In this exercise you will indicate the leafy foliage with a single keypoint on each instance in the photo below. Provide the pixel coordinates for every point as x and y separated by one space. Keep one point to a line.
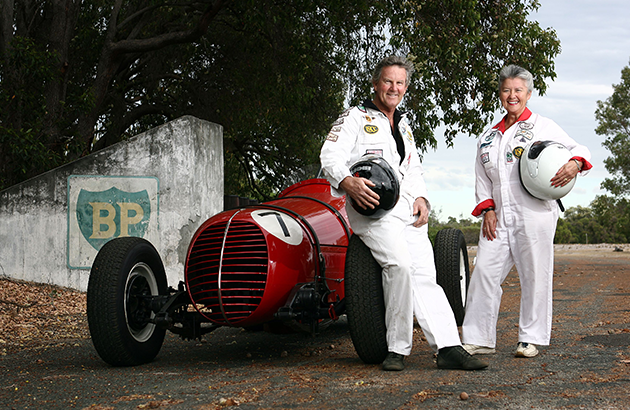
458 47
275 74
469 228
613 116
605 220
24 146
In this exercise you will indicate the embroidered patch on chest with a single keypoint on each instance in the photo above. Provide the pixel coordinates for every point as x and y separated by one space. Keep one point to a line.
524 134
525 125
378 152
370 129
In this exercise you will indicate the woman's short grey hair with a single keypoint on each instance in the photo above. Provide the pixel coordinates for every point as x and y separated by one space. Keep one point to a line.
390 61
514 71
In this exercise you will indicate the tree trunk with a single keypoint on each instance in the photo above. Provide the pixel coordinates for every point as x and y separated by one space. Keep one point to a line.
64 19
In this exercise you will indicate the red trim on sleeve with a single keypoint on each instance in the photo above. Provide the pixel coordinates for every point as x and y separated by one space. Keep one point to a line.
483 205
585 164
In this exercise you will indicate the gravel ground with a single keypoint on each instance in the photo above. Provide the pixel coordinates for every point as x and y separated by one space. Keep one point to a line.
48 360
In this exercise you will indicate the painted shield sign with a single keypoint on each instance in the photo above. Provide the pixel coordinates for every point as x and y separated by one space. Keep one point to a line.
112 213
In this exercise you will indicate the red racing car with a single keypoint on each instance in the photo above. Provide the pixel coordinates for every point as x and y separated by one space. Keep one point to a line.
290 262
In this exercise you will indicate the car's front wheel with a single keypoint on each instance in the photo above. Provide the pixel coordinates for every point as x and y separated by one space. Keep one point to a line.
126 273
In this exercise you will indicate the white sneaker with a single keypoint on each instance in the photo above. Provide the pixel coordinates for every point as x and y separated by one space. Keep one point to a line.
475 349
526 350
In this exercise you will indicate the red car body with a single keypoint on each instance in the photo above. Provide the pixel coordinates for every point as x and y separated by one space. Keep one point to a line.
243 264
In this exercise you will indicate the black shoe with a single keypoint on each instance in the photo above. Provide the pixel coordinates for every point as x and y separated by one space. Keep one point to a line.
393 362
455 357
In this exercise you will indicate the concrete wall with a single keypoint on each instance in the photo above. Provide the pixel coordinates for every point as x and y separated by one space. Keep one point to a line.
160 185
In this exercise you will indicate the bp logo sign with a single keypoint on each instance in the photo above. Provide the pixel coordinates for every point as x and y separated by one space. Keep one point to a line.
112 213
102 208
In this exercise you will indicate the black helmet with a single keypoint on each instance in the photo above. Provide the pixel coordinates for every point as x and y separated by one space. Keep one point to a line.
377 170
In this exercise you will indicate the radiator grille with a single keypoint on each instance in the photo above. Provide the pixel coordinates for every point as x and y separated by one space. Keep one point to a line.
232 288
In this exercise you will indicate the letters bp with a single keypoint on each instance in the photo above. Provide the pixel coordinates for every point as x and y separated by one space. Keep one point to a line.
101 208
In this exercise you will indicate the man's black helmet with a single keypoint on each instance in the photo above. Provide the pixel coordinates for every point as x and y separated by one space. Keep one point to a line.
377 170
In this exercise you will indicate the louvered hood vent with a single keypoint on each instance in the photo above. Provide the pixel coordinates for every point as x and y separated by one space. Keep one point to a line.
226 272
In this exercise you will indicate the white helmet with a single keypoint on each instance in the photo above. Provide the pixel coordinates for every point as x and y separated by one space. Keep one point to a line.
540 162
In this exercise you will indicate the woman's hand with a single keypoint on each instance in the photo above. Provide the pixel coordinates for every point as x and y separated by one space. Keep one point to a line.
566 173
489 225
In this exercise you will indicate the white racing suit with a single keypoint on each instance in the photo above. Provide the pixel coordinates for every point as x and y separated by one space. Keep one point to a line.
403 251
525 230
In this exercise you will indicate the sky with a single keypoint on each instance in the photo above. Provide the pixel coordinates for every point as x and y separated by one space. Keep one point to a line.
595 41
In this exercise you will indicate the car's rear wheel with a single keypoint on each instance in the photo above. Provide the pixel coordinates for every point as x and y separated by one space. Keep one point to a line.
365 306
125 274
453 272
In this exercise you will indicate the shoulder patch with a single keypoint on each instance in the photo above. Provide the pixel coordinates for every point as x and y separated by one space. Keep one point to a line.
332 137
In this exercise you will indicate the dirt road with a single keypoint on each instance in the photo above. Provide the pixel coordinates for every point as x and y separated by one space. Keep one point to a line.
587 365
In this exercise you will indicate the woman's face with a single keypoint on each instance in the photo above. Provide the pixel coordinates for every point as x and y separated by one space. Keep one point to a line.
514 96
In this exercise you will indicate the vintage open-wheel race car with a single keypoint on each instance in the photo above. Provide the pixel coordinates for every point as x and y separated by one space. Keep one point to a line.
291 262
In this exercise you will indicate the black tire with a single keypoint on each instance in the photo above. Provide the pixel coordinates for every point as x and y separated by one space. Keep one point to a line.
453 272
125 270
365 306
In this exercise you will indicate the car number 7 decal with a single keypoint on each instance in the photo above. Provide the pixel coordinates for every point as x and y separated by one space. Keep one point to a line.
280 225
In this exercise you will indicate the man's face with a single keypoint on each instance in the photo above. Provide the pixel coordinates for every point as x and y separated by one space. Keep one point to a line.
391 87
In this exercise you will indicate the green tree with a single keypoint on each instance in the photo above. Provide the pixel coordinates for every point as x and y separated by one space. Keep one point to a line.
563 232
274 73
24 147
613 213
458 47
591 224
469 228
613 116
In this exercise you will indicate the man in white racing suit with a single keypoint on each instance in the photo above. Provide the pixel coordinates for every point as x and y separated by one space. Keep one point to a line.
398 240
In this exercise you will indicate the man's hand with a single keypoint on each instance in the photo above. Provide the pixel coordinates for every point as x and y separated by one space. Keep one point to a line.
359 190
420 209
